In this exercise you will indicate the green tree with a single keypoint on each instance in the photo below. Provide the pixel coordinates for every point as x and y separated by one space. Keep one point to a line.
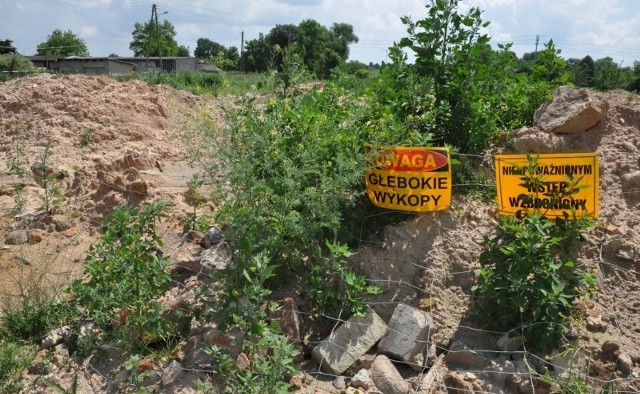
634 86
447 45
234 56
345 36
207 49
16 63
183 51
62 43
281 36
549 66
583 72
607 75
317 47
257 54
151 39
320 49
6 47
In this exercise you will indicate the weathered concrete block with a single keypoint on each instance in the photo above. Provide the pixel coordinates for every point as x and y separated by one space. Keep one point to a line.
407 336
349 342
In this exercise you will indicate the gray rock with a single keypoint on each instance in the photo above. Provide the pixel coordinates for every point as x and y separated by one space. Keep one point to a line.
171 373
624 363
186 258
349 342
431 380
387 378
214 259
361 380
571 111
408 336
339 383
214 236
461 355
56 337
16 237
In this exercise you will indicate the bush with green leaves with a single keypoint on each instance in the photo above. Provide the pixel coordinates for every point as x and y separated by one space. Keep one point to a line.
528 277
125 274
14 359
293 166
271 361
469 103
332 286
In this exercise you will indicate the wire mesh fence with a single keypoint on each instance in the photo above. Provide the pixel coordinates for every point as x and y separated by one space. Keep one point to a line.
418 261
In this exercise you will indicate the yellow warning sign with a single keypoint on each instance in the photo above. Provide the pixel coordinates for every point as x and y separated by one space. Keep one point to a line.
411 179
553 196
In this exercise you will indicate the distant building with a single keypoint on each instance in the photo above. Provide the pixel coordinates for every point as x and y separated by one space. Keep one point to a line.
113 65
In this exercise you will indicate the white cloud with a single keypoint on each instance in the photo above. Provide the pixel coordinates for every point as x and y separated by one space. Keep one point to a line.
88 31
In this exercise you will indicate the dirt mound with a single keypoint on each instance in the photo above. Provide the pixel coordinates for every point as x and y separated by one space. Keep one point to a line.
114 142
110 142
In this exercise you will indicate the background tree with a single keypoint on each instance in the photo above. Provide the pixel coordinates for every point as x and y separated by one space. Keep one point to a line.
6 47
281 36
183 51
345 36
207 49
62 43
634 86
257 54
147 36
15 64
234 55
320 49
583 71
550 66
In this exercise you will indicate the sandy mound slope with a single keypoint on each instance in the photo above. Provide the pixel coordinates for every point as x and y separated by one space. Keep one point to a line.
111 141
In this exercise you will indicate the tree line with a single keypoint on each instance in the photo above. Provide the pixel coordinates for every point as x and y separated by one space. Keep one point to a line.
319 48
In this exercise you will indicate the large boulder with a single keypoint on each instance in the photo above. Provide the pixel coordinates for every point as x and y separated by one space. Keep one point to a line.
571 111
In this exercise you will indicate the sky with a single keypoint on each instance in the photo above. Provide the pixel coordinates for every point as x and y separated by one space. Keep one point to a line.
598 28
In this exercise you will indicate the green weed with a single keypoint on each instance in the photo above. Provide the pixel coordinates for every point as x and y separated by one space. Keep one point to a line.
14 359
17 160
125 274
270 359
528 277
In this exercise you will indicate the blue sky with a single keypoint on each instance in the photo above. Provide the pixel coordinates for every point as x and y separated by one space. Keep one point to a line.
598 28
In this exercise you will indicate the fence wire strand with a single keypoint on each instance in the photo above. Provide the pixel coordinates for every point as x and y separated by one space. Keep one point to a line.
73 258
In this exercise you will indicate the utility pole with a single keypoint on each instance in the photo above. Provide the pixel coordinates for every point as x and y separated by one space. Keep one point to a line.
537 40
242 53
153 12
158 36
